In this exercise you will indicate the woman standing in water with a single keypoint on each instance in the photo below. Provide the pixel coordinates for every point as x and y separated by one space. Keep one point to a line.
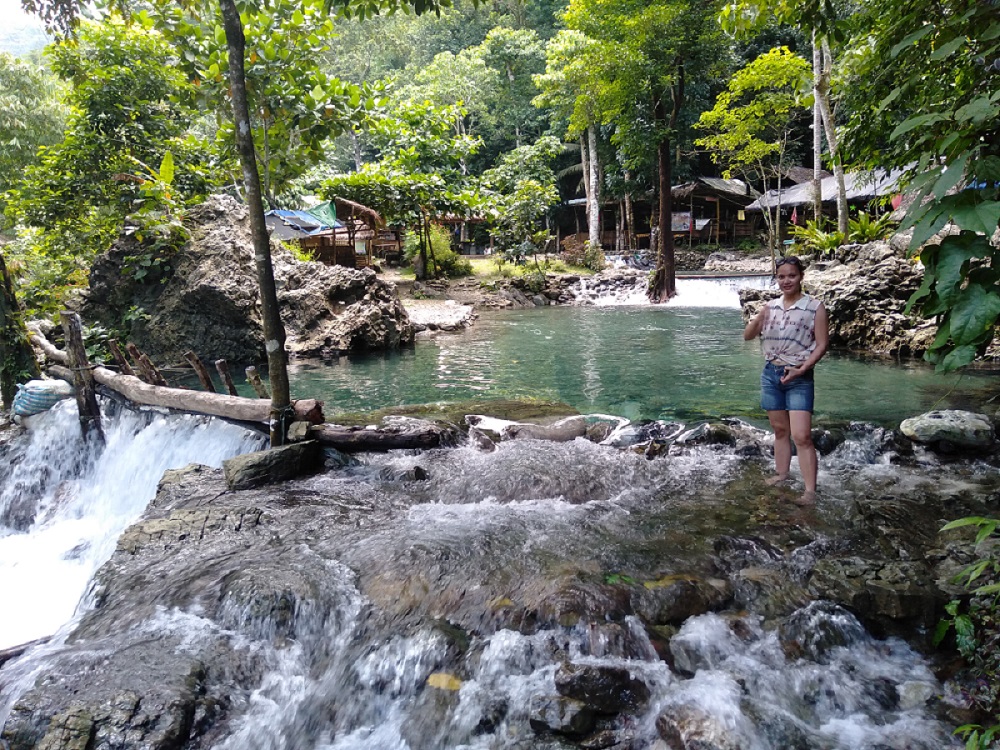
795 332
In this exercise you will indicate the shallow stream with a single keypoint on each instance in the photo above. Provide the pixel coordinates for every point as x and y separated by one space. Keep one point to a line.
432 600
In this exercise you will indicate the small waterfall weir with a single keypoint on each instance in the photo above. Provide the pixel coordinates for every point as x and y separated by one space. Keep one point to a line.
692 291
63 506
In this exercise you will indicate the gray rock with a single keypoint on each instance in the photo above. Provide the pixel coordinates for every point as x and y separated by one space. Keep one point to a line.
273 465
674 598
604 689
962 429
686 727
815 630
560 714
206 298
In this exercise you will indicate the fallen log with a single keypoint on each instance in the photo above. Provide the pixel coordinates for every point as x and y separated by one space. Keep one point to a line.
214 404
358 439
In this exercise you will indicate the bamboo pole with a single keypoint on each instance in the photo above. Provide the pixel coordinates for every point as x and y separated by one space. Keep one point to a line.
199 368
116 351
253 377
223 369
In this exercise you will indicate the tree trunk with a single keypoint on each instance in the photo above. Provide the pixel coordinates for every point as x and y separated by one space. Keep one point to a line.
630 239
356 147
17 360
817 181
358 439
664 284
594 196
831 137
274 331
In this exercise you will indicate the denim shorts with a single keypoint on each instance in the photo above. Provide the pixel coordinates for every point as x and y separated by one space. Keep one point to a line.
777 396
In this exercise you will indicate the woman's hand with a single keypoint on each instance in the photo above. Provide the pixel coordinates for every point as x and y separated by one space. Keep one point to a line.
756 324
793 372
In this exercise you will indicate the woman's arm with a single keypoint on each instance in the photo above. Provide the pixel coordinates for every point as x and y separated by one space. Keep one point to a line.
822 336
756 324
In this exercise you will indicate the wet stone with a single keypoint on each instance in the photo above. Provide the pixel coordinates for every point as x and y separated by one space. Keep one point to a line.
674 598
560 714
604 689
815 630
688 727
273 465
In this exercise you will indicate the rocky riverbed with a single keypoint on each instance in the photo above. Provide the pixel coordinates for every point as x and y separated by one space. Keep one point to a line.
522 592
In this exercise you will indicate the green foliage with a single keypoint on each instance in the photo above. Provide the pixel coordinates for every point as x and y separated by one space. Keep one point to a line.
932 72
295 106
975 624
751 127
584 255
864 228
298 252
157 224
124 115
813 236
522 189
30 116
442 260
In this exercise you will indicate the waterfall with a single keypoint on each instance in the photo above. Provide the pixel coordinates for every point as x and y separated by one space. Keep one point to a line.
630 289
63 505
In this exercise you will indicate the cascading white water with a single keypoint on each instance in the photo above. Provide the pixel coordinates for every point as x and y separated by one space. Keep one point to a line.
338 679
691 292
72 503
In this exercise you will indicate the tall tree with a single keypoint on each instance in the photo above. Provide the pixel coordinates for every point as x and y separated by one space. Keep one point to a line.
752 124
31 116
570 88
653 50
825 21
295 107
63 14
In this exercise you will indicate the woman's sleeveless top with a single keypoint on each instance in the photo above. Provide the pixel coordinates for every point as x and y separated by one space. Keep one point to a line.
789 336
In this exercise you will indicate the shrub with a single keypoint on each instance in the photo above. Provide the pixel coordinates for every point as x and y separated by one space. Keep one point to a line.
813 237
865 229
442 261
976 626
583 254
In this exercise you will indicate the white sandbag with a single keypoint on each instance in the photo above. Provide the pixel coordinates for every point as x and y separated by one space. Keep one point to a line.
37 396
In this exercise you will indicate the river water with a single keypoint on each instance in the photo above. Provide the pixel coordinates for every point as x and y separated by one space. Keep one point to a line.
531 520
683 361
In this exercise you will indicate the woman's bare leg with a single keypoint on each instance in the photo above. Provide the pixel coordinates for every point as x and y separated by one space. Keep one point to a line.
782 445
801 427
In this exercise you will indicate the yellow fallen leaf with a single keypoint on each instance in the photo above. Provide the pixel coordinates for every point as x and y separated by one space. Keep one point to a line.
444 681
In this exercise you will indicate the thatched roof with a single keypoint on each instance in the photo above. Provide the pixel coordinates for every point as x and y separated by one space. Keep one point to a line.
370 216
735 190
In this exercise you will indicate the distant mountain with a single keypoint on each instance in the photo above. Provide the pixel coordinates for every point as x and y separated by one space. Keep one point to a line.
20 33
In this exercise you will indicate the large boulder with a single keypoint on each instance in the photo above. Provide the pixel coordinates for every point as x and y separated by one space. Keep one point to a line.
865 291
951 427
205 296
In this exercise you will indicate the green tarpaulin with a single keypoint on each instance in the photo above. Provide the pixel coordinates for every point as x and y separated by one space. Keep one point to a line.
326 213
